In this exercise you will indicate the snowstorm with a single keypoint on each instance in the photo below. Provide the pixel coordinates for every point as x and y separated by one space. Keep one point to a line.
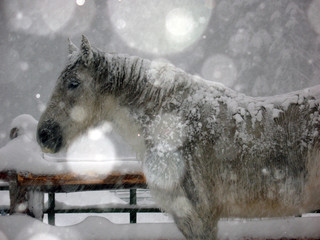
242 76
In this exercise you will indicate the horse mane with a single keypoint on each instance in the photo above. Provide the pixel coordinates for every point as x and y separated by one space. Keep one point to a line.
139 82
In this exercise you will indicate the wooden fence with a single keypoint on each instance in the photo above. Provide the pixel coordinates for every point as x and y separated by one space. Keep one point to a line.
21 184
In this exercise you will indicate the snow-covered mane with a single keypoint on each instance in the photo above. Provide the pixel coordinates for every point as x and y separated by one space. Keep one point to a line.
136 80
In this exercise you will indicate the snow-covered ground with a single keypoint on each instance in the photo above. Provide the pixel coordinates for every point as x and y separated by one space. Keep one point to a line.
27 228
87 226
150 225
91 228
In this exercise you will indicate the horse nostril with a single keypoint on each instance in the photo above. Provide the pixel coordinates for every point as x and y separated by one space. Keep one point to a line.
50 136
44 136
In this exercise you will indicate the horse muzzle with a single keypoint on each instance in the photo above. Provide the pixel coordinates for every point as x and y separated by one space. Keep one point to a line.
49 136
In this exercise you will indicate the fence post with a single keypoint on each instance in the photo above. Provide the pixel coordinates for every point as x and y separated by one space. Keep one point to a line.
51 206
18 195
133 201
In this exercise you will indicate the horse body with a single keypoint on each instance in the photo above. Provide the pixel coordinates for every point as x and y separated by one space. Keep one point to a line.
208 152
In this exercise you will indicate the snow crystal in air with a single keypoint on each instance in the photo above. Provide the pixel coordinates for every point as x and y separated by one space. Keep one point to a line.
41 107
62 105
265 171
99 132
92 146
180 22
78 114
95 134
239 42
80 2
121 24
220 68
24 66
20 21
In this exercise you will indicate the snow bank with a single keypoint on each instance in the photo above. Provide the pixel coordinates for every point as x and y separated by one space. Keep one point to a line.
23 154
91 228
276 228
100 228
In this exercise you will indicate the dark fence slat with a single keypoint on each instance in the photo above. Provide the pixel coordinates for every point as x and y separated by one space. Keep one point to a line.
133 201
51 210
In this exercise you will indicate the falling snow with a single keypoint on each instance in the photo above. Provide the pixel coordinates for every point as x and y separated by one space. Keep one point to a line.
253 47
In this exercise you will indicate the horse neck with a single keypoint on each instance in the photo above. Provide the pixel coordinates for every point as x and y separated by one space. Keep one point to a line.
125 122
136 90
122 81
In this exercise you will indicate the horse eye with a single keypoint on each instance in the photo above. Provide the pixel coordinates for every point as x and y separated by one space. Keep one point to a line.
73 84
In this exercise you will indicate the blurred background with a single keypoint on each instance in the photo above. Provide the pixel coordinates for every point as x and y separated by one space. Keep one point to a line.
256 47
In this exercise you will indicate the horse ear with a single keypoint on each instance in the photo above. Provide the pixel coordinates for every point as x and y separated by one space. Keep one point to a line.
86 51
71 47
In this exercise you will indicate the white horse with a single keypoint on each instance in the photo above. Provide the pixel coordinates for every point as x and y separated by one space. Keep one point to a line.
207 151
